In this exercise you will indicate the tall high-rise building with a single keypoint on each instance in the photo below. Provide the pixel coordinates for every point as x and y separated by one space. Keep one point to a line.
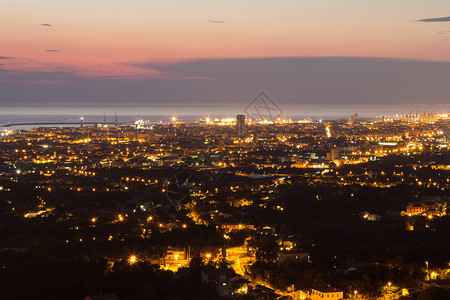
354 119
240 124
333 154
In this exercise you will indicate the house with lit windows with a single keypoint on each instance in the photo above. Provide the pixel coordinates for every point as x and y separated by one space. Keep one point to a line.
328 293
430 206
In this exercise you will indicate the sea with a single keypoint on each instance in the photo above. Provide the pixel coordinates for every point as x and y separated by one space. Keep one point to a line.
164 114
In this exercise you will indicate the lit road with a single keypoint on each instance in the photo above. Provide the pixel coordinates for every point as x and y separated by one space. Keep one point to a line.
240 258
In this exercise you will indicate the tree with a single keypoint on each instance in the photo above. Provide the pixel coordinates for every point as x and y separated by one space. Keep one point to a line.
267 251
433 293
223 264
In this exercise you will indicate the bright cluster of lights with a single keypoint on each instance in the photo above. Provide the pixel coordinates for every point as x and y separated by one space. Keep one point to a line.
264 122
132 259
6 132
227 121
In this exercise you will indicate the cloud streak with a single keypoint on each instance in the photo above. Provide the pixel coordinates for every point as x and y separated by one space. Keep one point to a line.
6 57
46 24
433 20
216 21
291 80
52 50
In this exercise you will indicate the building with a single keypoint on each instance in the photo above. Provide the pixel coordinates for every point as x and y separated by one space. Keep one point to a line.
240 124
416 209
429 206
354 119
231 227
326 293
175 258
333 154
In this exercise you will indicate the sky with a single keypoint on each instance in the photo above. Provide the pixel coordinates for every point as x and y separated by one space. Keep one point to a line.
140 52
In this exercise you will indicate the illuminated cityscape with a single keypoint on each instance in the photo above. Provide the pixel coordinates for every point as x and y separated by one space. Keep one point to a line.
283 208
221 150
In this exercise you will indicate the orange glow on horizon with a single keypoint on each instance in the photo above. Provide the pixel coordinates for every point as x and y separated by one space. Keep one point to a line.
101 38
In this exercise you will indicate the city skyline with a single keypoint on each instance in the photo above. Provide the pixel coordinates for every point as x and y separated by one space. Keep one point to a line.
333 209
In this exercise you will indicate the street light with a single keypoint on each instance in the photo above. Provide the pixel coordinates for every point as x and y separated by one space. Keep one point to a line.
389 290
132 259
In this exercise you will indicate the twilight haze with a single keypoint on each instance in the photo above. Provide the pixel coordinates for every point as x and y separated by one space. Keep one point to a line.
113 53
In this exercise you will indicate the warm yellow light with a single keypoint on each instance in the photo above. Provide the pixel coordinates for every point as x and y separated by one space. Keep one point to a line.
132 259
433 275
93 220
